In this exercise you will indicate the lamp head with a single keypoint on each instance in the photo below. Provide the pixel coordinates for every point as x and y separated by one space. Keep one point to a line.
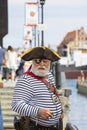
42 2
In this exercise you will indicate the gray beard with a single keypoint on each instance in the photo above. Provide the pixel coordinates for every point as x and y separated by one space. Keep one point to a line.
41 73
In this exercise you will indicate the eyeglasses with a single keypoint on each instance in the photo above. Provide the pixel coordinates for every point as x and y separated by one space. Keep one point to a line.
38 61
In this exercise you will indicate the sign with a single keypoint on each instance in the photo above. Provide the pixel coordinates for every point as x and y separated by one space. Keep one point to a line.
28 32
31 14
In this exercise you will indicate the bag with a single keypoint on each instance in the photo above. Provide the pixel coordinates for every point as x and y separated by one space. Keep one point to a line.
70 126
16 123
23 123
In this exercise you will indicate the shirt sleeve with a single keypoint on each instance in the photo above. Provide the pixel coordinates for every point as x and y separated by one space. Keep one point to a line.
23 93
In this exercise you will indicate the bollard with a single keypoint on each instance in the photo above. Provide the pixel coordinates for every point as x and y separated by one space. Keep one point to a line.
57 74
67 92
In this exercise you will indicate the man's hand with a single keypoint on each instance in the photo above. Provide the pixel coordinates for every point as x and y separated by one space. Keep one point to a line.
45 113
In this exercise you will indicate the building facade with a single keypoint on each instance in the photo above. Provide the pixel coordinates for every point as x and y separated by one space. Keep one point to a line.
74 40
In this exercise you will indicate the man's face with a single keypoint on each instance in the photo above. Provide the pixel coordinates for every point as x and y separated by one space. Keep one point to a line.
41 67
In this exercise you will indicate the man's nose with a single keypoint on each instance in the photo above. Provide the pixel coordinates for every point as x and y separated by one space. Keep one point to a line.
42 62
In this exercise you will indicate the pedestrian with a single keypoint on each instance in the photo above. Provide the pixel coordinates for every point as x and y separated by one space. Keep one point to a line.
20 68
11 58
35 94
2 61
1 119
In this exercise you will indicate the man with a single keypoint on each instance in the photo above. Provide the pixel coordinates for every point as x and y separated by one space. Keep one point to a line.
2 60
35 95
1 119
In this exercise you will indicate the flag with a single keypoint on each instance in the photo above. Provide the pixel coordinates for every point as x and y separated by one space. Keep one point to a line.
27 32
31 14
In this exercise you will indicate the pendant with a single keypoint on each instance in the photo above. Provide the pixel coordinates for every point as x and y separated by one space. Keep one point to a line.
55 99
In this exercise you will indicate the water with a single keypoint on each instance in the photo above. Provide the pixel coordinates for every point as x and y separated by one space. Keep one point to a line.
78 113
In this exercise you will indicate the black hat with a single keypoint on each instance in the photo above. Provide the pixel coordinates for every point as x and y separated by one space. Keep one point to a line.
40 52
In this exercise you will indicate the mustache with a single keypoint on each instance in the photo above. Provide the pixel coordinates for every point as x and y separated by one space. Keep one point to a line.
41 67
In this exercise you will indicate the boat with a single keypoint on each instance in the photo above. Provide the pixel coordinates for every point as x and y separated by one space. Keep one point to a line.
73 68
73 72
82 87
82 84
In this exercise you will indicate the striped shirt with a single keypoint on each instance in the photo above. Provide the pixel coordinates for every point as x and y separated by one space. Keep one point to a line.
31 94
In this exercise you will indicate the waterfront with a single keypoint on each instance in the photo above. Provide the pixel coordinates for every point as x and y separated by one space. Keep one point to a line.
78 104
78 113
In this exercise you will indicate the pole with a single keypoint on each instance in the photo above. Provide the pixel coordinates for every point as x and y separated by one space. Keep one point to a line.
3 20
42 32
57 73
38 22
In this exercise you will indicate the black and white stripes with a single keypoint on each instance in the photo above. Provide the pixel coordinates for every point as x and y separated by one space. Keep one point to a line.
30 94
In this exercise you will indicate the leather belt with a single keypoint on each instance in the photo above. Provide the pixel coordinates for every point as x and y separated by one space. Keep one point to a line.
40 127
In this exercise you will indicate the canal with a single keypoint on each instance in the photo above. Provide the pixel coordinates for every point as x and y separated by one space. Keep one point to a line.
78 102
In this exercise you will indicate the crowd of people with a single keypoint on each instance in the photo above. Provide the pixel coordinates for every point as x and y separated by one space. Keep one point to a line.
11 64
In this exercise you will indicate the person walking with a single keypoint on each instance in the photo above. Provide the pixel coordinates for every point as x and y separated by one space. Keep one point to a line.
35 95
2 61
1 119
11 58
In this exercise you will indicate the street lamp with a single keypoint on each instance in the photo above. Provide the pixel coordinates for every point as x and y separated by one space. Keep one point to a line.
42 2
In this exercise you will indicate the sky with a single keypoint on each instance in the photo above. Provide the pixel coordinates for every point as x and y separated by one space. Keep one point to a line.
60 17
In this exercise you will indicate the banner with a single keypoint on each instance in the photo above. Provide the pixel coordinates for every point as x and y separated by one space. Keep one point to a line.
27 32
31 14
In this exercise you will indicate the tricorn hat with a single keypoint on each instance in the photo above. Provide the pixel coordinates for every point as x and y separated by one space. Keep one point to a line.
40 52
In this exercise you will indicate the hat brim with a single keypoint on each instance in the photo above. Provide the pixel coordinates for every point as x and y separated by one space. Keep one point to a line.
40 52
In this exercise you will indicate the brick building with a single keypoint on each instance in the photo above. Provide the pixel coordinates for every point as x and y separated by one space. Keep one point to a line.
74 40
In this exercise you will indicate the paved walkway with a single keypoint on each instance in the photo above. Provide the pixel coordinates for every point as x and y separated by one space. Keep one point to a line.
8 83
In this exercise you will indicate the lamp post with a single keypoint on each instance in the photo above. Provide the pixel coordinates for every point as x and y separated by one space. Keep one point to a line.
42 2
